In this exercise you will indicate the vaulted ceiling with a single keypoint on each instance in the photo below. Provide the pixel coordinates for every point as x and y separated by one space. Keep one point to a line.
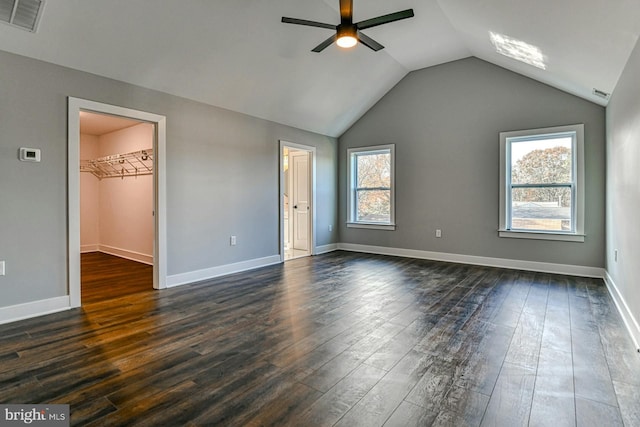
236 54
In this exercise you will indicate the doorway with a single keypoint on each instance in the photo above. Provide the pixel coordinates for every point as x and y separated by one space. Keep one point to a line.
297 185
116 206
123 164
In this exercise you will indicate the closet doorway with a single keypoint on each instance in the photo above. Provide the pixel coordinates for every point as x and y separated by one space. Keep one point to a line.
297 184
116 206
116 201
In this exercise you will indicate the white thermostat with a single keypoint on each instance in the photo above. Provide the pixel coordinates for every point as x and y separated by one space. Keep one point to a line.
29 154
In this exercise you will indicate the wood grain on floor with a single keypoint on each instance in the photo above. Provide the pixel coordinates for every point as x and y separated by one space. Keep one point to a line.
338 339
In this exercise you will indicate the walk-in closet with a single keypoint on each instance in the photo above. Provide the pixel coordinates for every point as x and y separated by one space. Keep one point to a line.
116 206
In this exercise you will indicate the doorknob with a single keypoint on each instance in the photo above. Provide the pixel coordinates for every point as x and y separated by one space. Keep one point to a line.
295 207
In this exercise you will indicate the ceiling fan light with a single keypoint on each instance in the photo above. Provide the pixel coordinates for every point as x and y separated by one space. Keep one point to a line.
347 36
347 41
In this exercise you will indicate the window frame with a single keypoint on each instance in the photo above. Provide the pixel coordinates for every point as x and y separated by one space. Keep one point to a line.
577 184
352 154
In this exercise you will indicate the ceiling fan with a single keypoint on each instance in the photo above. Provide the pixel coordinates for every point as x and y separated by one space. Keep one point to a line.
347 33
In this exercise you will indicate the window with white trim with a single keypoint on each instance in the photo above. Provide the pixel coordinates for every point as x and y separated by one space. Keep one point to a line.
370 172
542 183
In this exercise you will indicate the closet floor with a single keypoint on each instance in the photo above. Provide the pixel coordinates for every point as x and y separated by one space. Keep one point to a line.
106 276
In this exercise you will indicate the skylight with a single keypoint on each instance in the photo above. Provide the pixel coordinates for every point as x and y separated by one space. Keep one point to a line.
518 50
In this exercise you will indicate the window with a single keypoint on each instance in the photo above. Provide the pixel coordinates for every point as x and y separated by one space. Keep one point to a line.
371 187
542 183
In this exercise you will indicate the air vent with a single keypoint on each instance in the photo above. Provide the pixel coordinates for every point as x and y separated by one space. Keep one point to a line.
601 93
23 14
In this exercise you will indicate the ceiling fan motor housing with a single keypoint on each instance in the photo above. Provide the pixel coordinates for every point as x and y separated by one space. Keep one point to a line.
345 30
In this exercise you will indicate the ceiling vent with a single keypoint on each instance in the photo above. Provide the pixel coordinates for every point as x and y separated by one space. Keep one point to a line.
23 14
601 93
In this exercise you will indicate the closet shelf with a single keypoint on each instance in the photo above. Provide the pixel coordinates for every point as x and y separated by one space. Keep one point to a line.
120 165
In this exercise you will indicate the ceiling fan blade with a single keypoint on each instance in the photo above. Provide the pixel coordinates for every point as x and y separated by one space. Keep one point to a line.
307 23
322 46
346 11
369 42
384 19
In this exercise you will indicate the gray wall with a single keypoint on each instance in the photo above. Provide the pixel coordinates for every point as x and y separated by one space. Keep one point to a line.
222 177
623 184
445 122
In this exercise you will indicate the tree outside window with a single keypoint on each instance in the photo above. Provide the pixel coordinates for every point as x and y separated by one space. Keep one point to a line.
373 189
541 184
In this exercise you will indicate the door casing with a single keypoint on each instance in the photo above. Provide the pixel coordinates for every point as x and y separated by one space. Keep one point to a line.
75 105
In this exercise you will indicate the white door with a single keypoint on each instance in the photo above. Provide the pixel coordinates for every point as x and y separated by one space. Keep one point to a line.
300 202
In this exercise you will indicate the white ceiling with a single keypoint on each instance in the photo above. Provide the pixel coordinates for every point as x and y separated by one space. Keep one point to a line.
100 124
236 54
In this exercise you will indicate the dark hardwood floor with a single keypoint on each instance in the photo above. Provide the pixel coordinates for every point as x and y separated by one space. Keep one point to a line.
340 339
105 276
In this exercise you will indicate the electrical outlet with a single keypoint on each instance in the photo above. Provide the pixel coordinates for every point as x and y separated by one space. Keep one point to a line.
1 268
438 233
232 241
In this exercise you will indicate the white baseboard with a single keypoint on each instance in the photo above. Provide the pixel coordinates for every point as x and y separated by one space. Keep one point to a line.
326 248
627 316
544 267
89 248
27 310
222 270
126 254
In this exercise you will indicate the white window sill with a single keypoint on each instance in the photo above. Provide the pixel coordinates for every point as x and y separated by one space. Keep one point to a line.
538 235
371 225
